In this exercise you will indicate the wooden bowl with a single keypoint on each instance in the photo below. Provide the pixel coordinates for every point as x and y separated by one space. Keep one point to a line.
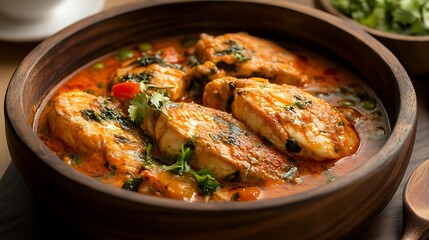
412 51
332 211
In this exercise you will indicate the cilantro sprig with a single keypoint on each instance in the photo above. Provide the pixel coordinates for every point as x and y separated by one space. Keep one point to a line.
206 182
143 101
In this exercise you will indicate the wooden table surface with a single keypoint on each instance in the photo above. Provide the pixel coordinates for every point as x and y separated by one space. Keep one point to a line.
23 217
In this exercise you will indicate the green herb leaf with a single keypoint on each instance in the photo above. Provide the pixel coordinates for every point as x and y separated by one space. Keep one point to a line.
145 46
206 182
97 66
237 51
181 165
148 59
138 108
125 54
144 77
132 184
90 115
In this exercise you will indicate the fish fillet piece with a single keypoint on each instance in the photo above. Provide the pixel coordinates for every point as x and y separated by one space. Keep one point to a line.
90 124
175 79
223 145
243 55
294 121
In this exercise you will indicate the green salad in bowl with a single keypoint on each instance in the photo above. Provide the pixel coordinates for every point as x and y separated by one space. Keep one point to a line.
408 17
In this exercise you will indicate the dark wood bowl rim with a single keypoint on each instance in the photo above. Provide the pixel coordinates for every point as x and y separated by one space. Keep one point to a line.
400 131
327 6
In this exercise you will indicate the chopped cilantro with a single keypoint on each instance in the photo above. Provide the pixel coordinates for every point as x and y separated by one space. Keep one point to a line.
97 66
138 108
301 102
157 100
399 16
236 50
346 103
90 115
132 184
145 77
206 182
148 59
145 46
289 107
147 159
181 165
125 54
111 114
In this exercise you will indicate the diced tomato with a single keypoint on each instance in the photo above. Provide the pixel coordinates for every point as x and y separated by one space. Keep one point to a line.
126 89
170 55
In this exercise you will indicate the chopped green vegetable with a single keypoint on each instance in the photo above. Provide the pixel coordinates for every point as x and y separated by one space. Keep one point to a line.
347 103
145 46
125 54
158 100
407 17
142 102
132 184
368 105
236 50
111 114
98 66
181 165
90 115
107 113
144 77
147 159
138 108
302 103
206 182
148 59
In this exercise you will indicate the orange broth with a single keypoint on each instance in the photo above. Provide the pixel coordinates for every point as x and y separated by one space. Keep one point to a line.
331 82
